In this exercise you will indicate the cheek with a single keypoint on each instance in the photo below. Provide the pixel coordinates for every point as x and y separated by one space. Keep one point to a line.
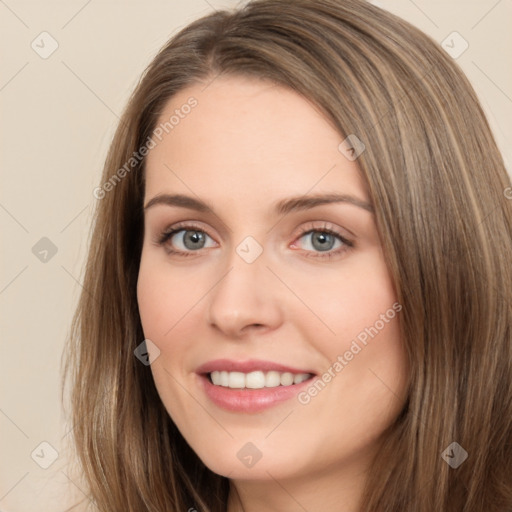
365 361
153 303
353 300
163 297
163 302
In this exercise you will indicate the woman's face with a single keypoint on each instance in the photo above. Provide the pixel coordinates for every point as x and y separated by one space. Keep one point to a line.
268 286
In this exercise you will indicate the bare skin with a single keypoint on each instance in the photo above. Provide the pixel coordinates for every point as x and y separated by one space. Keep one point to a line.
247 145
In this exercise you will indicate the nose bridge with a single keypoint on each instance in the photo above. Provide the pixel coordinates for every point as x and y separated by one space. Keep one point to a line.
245 294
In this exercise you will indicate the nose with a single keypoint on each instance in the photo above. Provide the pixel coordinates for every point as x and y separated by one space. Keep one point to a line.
247 298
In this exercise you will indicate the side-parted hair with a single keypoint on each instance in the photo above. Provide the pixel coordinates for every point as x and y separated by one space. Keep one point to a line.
443 207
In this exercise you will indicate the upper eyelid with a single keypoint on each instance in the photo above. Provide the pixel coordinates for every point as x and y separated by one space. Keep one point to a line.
326 225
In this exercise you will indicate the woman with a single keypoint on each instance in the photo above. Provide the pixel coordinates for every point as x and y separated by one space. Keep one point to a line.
298 294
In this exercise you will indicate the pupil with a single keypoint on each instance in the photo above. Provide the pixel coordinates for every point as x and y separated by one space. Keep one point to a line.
322 238
194 237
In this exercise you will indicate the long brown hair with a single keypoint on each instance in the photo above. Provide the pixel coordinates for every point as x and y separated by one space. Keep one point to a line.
439 188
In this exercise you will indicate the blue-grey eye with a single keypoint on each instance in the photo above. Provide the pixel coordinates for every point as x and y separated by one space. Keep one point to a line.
321 241
190 240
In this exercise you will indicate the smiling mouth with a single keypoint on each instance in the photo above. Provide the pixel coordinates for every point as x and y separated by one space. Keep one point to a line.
256 379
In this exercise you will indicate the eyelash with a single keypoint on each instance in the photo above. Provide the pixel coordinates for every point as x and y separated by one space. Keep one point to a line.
167 234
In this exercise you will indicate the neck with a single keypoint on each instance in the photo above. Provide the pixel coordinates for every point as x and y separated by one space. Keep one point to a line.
333 489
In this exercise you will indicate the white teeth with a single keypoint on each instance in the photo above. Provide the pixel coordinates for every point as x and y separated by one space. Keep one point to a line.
224 379
236 380
272 379
256 379
286 379
300 377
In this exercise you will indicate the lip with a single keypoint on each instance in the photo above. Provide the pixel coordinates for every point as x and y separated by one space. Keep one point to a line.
251 365
248 400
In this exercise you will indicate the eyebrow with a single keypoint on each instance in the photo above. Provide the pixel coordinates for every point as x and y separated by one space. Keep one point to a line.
282 207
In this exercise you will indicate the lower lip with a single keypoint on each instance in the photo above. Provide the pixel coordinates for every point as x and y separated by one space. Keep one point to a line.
250 400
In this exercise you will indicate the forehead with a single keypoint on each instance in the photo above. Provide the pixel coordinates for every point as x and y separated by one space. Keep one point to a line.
247 138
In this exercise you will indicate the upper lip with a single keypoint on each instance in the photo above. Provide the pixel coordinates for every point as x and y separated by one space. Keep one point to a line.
247 366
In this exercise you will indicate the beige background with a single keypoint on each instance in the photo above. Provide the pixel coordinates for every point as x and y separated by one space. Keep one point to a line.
58 116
